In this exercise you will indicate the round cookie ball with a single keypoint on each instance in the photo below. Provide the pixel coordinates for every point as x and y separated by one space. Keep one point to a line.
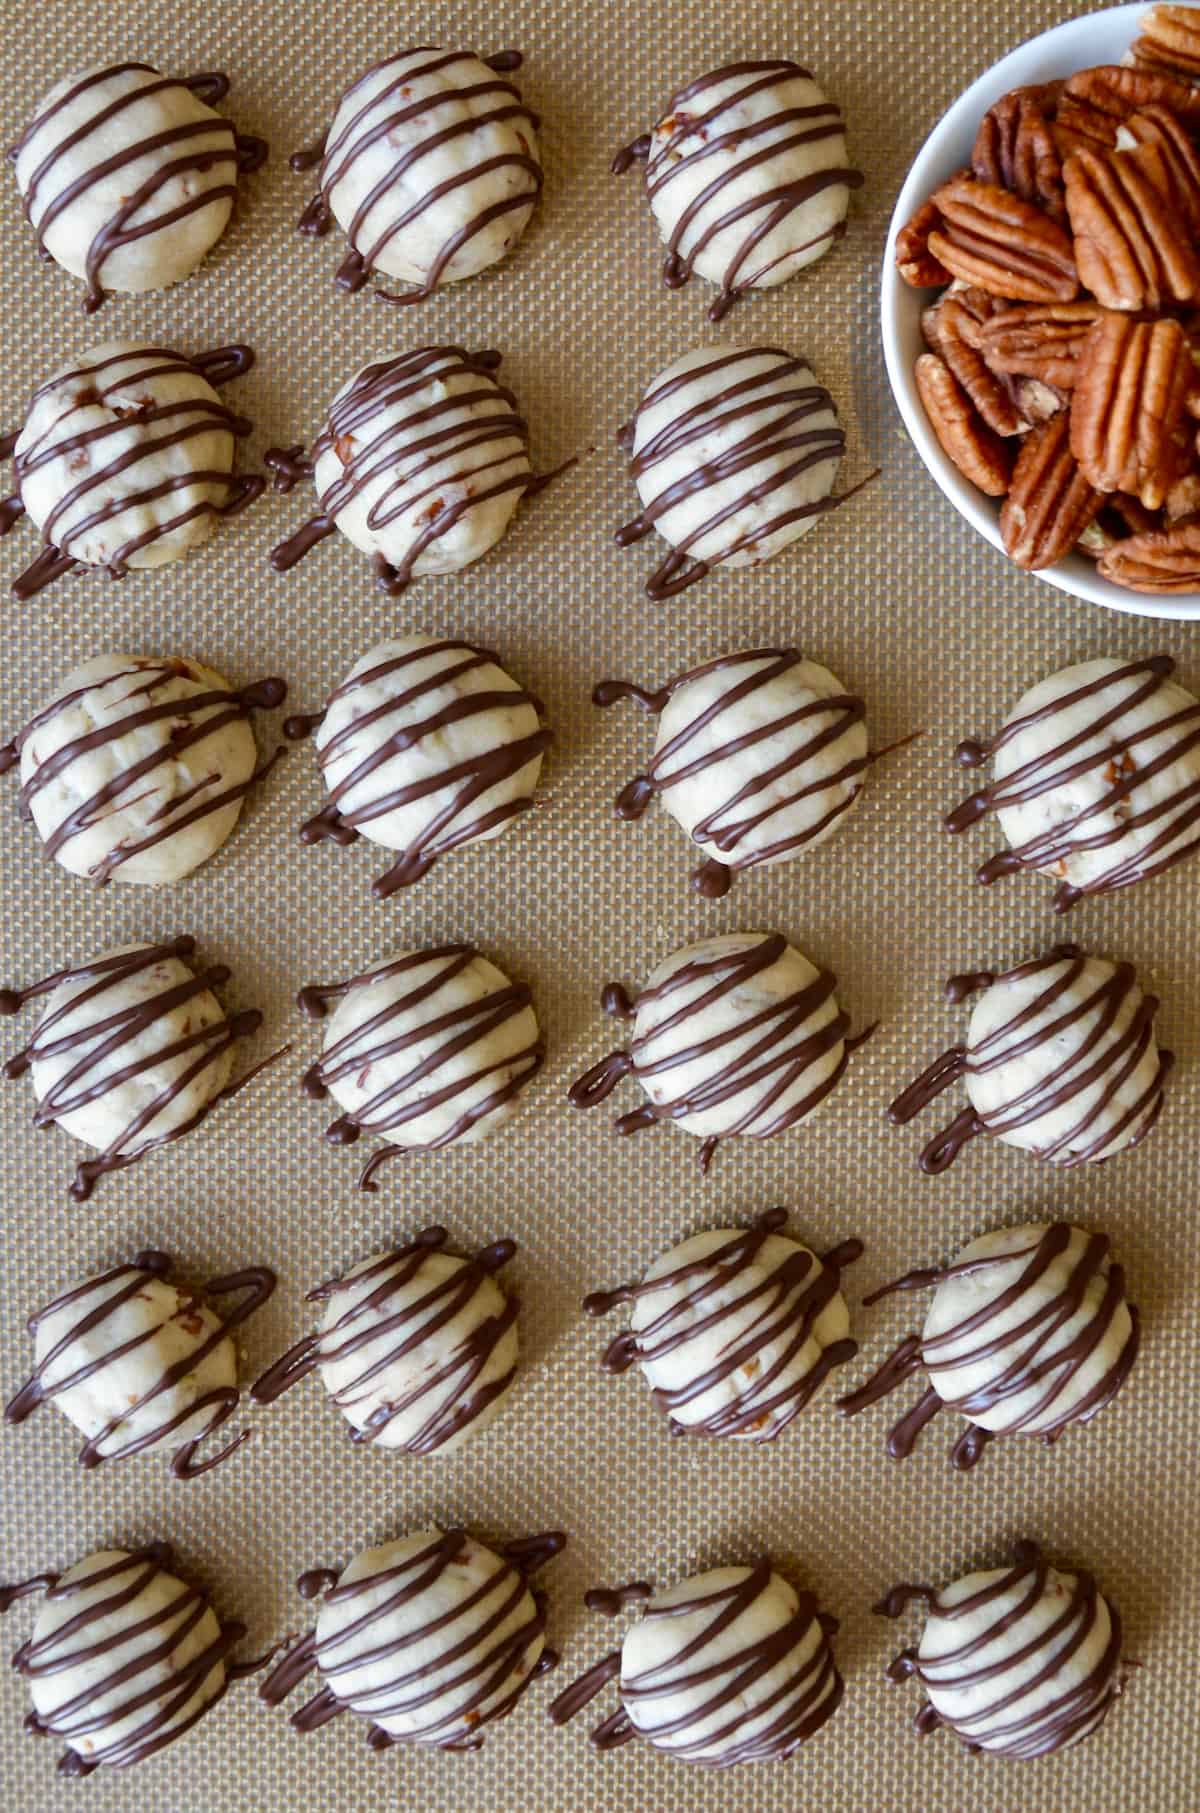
430 1637
426 745
424 1049
421 463
735 1330
124 1658
734 451
417 1347
430 167
126 459
139 1364
739 1034
137 768
1017 1661
129 177
1095 778
758 757
1060 1060
748 177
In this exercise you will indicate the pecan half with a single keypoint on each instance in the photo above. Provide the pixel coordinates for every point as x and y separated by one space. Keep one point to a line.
1050 503
1132 250
1158 126
1127 412
1002 243
980 455
1040 340
1165 560
1015 149
914 261
1118 90
1170 39
958 337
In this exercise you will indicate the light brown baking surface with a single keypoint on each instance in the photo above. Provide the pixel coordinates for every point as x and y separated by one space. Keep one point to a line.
894 593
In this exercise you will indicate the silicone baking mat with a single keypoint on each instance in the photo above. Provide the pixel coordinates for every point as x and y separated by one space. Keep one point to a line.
912 611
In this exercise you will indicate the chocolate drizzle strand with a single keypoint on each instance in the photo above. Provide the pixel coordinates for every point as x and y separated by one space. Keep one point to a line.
171 708
124 1658
730 175
430 1638
1018 1661
1029 1332
737 1035
425 746
139 1363
123 160
105 463
431 167
100 1014
417 1348
775 757
1060 1059
745 1324
1096 778
748 1674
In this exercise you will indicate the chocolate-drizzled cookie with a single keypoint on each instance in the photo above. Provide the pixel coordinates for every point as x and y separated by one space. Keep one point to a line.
731 1666
140 1364
423 1049
126 460
430 1638
1018 1661
758 756
1060 1059
139 1016
417 1347
736 1035
139 765
129 177
430 167
736 1330
125 1656
1095 778
425 746
748 177
1029 1331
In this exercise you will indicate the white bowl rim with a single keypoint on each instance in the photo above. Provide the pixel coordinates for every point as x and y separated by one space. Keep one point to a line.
1037 59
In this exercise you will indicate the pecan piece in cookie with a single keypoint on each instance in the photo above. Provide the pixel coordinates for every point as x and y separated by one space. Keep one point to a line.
1160 127
980 455
1170 39
1128 430
1001 243
1132 247
1050 503
1015 149
958 338
1165 560
1041 340
914 261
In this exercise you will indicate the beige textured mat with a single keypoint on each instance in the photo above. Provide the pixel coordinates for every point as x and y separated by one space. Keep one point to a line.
899 598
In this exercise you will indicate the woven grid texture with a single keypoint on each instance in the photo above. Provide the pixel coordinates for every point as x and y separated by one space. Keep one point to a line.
910 610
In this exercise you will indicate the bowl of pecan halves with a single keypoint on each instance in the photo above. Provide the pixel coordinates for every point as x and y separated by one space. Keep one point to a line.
1041 307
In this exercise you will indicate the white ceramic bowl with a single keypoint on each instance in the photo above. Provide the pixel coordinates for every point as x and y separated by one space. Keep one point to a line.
1078 44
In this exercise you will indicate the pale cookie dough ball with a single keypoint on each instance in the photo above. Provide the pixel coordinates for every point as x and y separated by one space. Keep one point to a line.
126 458
137 768
128 177
115 1664
424 1049
758 757
1095 778
430 1637
418 1348
737 1035
735 1330
731 1666
734 451
430 168
748 176
1018 1661
426 745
